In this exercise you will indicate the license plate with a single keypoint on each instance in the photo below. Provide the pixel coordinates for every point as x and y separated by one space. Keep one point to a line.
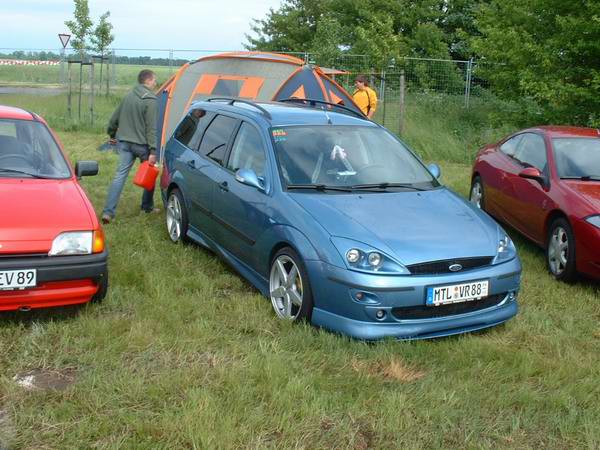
17 279
440 295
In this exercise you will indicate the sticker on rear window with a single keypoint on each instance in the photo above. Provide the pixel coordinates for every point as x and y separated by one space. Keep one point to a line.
279 135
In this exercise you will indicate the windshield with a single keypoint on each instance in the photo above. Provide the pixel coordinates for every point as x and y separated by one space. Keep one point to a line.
577 157
27 149
346 156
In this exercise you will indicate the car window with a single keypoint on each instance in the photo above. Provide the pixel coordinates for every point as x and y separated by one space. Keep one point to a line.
215 140
577 156
248 151
532 151
510 146
27 147
192 126
8 128
346 156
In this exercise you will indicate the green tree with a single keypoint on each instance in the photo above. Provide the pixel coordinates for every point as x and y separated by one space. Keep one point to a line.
290 28
548 50
101 38
326 43
80 27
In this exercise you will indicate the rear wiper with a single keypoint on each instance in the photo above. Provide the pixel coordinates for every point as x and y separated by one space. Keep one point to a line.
386 185
583 178
21 172
319 187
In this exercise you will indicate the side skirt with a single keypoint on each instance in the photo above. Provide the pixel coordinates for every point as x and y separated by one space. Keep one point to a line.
252 276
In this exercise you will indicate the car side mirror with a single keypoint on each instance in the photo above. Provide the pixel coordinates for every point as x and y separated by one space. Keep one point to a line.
249 178
435 170
86 168
533 173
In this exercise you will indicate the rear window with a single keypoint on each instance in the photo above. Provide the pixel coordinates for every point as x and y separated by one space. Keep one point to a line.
27 149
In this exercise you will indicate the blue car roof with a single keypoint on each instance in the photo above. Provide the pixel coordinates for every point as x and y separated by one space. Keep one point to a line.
286 114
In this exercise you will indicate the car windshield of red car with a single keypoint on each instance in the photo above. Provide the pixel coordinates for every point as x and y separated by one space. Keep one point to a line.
577 157
28 150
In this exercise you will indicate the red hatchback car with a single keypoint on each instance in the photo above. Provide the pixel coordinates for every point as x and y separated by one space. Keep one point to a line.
545 183
51 244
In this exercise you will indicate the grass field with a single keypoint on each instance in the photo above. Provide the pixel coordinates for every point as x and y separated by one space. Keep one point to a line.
185 354
125 75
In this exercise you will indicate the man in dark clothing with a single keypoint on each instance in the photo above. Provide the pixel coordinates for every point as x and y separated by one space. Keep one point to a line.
133 126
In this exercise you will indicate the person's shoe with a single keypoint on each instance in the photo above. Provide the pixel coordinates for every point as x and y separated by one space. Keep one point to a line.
106 219
150 211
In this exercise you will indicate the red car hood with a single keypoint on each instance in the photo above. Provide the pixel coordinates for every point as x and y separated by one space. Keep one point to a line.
34 212
588 190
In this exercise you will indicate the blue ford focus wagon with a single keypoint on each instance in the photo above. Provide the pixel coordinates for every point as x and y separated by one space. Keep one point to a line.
336 221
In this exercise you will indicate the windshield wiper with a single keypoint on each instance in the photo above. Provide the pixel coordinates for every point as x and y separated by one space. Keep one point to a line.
384 186
583 178
21 172
319 187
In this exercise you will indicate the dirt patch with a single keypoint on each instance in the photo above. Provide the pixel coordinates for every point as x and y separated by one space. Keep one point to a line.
393 369
43 379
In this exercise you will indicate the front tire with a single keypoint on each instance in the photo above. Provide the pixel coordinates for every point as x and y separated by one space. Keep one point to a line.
560 251
289 287
477 194
177 217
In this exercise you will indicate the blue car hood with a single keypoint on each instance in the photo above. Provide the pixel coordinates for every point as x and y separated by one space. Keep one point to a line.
414 227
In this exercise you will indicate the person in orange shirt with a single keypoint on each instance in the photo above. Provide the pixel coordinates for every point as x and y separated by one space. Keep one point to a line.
364 96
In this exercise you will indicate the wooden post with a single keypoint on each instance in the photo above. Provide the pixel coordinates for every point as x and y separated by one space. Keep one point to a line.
107 76
402 105
69 99
80 87
92 81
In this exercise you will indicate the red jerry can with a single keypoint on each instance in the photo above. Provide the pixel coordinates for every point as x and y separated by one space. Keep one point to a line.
146 176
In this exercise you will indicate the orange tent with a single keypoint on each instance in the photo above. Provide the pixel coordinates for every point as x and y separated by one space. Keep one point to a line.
257 76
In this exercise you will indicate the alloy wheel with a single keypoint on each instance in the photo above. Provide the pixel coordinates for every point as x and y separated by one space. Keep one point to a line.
286 288
174 218
558 251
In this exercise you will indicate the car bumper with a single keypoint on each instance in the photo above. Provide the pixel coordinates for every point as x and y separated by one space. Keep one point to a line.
587 239
61 281
401 300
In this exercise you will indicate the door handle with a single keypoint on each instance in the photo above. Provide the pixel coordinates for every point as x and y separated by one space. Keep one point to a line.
191 163
224 186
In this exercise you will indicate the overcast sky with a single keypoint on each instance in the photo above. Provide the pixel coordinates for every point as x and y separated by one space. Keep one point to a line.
156 24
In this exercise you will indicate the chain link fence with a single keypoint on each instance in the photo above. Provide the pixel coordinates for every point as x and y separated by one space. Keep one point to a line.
402 81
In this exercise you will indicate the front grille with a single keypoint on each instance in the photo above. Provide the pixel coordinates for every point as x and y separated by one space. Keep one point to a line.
23 255
431 312
437 267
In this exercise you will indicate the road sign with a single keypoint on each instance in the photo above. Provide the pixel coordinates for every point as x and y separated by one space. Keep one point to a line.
64 39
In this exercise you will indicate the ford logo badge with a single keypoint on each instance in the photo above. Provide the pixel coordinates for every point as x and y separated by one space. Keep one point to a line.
455 267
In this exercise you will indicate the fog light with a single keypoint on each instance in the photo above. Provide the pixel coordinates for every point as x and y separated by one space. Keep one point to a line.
353 255
380 314
511 296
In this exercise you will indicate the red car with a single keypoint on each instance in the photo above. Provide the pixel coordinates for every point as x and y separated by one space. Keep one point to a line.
51 244
545 183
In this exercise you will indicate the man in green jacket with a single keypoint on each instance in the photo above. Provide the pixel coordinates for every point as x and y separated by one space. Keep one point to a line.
133 128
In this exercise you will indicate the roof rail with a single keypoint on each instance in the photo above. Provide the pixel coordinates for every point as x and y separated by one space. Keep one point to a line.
231 101
313 103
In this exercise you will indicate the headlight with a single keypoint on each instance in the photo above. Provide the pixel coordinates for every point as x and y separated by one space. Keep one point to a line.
594 220
506 249
364 258
72 243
